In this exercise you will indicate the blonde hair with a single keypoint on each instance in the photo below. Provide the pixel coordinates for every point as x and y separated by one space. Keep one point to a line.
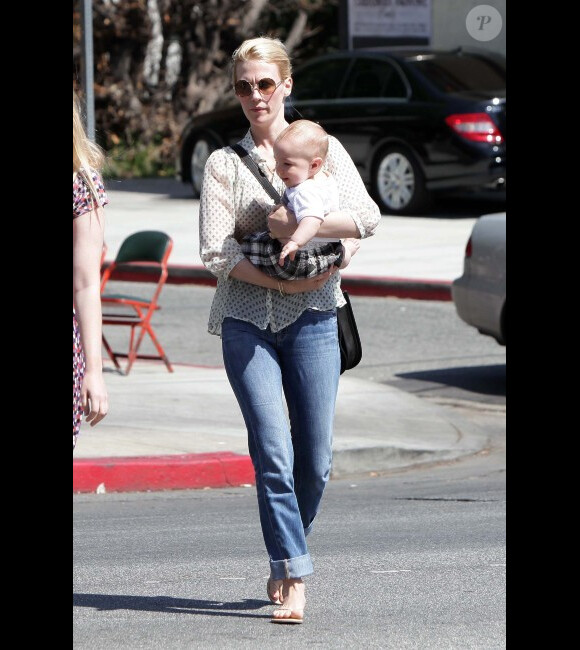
308 137
263 48
87 155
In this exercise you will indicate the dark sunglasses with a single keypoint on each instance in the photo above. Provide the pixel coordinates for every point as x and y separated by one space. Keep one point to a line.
266 86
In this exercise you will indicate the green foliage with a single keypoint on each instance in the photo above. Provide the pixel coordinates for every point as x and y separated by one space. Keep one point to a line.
137 161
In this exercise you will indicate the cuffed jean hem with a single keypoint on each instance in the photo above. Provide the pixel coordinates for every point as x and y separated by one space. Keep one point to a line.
295 567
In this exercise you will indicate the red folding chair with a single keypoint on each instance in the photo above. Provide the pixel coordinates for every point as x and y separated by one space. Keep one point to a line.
142 251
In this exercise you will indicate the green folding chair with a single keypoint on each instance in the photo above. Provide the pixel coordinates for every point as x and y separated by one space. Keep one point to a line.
140 254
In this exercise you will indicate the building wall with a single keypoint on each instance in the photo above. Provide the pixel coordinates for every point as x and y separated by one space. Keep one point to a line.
449 24
449 29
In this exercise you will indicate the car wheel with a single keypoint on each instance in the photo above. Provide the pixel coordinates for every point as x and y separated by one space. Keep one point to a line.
398 182
203 146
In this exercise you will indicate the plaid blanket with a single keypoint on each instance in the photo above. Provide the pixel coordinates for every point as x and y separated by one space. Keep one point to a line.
264 252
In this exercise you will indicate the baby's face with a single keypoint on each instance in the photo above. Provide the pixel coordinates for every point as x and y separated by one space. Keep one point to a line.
291 165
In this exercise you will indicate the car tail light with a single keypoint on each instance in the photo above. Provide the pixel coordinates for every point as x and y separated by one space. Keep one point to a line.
477 127
468 248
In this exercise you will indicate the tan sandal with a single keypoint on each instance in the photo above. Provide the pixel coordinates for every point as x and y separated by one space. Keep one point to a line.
275 601
296 616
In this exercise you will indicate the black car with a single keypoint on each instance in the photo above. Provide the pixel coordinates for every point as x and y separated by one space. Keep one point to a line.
414 122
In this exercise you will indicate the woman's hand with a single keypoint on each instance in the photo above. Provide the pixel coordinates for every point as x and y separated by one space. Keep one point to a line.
311 284
94 398
281 222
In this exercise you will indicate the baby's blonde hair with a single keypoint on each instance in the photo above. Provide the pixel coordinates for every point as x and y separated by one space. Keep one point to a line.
263 48
86 154
308 137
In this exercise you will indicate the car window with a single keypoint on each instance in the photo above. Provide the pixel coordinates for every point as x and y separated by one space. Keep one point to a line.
373 78
320 80
460 73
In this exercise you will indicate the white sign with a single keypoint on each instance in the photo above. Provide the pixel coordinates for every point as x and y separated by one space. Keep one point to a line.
389 19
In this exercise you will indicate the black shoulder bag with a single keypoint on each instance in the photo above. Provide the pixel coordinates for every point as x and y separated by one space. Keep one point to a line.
348 337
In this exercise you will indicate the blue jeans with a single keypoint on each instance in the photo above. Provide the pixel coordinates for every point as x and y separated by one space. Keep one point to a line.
292 459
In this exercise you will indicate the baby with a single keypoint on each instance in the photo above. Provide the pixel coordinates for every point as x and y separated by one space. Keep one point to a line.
311 193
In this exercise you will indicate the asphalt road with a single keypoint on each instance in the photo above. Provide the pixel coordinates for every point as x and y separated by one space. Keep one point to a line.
402 339
419 346
411 560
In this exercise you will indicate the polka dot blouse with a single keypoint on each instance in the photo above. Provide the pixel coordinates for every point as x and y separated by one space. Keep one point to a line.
233 204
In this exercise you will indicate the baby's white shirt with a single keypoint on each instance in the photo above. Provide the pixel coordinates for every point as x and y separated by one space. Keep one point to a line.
314 197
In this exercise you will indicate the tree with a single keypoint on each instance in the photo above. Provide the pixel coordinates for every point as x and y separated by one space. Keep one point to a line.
158 62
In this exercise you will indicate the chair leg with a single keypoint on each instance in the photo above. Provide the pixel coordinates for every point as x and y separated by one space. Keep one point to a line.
133 348
160 350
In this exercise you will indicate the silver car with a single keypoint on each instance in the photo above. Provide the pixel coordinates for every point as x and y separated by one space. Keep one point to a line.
479 294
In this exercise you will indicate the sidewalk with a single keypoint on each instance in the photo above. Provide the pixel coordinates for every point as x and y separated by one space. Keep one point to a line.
408 257
184 429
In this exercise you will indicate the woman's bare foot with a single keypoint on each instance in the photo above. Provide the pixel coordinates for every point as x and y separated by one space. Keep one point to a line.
274 589
294 600
351 246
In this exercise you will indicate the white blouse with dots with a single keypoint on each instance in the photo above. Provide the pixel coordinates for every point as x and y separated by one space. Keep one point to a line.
234 204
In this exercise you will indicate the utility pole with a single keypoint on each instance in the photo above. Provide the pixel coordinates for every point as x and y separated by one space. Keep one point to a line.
87 78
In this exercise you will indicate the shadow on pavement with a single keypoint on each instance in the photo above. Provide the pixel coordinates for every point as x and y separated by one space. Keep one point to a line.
465 204
170 605
472 382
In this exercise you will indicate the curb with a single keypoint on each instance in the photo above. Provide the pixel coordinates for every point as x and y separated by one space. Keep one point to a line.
152 473
226 469
356 285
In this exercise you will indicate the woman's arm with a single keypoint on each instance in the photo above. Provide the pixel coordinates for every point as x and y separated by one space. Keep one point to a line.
219 250
88 231
339 224
355 203
245 271
282 225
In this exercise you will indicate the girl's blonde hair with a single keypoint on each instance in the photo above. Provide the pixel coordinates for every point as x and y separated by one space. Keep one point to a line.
263 48
87 155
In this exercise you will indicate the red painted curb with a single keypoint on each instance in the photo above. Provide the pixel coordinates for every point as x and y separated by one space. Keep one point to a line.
383 287
356 285
174 472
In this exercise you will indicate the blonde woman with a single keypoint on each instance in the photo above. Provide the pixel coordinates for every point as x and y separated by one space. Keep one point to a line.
89 390
279 337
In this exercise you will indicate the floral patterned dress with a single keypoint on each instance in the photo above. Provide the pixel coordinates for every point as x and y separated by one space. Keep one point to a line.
81 204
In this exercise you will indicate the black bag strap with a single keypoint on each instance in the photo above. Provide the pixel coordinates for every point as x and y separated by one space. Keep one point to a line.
253 167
